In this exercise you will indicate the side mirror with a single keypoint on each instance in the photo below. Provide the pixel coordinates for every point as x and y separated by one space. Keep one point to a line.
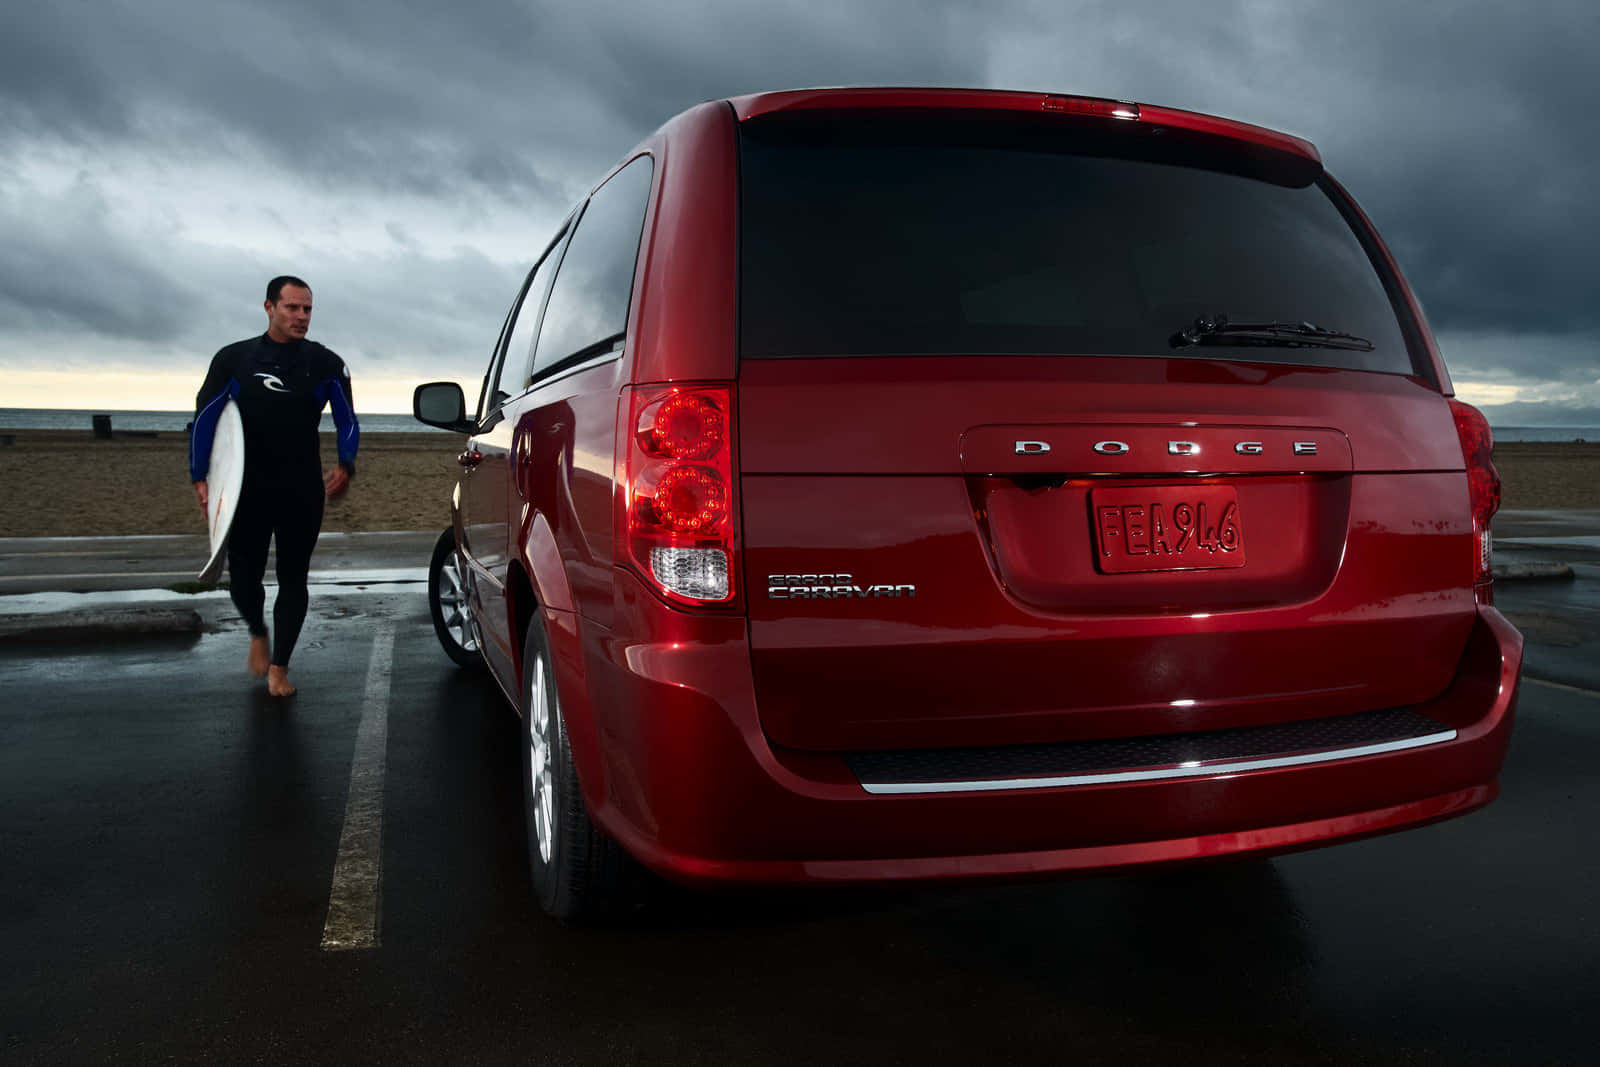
441 404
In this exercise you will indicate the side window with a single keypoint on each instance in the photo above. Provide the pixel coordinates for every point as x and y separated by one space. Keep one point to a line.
588 308
487 400
510 369
517 368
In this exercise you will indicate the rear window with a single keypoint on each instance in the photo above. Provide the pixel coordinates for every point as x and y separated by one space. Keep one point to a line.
883 237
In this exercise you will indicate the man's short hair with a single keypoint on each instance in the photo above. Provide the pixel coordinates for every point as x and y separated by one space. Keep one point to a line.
275 286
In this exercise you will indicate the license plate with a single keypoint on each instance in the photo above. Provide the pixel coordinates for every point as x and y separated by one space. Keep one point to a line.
1167 528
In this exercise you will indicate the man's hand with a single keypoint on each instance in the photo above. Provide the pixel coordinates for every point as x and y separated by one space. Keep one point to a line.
203 495
336 481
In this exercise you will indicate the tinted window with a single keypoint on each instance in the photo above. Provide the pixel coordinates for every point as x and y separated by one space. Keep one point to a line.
519 350
489 398
863 237
589 304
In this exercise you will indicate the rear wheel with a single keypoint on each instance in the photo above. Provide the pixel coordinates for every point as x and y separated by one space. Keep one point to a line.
578 872
450 605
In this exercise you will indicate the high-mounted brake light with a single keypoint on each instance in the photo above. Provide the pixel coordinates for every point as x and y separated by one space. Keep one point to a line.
1092 105
1483 483
678 491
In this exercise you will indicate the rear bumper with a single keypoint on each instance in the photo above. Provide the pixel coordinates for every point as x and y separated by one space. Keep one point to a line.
1269 840
675 766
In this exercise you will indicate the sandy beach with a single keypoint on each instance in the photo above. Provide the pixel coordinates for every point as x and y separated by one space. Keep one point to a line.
65 483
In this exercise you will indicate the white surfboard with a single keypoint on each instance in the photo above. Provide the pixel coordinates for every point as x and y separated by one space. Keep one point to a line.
224 479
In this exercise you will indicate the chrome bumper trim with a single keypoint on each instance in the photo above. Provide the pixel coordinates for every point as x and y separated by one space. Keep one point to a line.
1199 770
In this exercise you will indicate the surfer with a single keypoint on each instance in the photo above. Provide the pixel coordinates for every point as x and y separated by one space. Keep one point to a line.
280 382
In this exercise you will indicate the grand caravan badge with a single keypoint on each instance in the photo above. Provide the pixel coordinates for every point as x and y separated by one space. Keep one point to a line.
829 587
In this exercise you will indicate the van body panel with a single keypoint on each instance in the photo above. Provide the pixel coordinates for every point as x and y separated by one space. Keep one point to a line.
888 99
675 705
908 415
485 510
684 324
944 553
967 659
563 443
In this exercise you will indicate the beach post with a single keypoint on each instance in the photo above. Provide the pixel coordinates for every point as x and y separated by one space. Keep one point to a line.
102 427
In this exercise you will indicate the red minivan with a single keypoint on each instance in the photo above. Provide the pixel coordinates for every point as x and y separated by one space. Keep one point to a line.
878 484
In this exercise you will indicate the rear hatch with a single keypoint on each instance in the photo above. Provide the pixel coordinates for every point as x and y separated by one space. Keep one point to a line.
991 494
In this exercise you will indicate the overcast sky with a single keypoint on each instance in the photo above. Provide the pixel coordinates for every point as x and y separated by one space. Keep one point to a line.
160 159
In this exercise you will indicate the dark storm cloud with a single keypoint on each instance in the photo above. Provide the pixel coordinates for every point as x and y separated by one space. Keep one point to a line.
336 98
63 265
1464 129
1470 159
426 97
396 312
68 265
661 61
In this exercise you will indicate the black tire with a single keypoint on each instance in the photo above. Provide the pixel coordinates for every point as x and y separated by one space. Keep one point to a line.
450 605
583 875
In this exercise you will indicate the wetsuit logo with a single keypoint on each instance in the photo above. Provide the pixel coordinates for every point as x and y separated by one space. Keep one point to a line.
273 382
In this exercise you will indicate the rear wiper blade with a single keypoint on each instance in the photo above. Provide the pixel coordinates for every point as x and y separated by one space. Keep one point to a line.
1219 331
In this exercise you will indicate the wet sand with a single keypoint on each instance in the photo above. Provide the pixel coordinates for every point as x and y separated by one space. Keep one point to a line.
64 482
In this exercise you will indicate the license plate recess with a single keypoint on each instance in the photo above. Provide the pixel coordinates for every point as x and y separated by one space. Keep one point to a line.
1166 528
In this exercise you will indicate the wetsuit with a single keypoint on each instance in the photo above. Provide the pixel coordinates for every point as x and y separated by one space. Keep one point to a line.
280 390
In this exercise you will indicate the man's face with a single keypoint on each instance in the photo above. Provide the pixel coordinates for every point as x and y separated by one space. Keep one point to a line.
290 317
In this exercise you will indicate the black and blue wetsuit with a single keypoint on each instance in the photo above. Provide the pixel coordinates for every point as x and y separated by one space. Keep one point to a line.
280 390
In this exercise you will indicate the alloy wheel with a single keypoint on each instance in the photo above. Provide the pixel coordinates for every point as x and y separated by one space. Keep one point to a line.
454 604
542 810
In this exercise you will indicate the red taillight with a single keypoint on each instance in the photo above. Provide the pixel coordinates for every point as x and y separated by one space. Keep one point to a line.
1483 482
682 425
681 498
677 483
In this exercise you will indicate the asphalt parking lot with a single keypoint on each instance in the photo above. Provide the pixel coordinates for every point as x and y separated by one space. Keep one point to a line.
172 838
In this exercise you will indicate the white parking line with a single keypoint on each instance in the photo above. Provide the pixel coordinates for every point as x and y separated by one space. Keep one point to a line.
353 901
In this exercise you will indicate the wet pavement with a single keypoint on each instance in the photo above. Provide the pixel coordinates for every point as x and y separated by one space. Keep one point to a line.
171 837
1560 619
95 564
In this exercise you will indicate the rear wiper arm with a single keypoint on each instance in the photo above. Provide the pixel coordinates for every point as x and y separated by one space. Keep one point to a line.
1219 331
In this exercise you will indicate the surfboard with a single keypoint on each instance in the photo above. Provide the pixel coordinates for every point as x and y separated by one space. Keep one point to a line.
224 479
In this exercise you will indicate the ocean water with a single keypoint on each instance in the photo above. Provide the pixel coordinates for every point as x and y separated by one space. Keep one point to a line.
1591 434
389 422
82 419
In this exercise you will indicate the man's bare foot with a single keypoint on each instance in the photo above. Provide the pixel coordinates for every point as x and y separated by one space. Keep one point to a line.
260 656
278 681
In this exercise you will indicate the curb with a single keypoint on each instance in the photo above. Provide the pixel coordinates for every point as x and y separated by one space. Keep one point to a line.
1533 572
101 625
